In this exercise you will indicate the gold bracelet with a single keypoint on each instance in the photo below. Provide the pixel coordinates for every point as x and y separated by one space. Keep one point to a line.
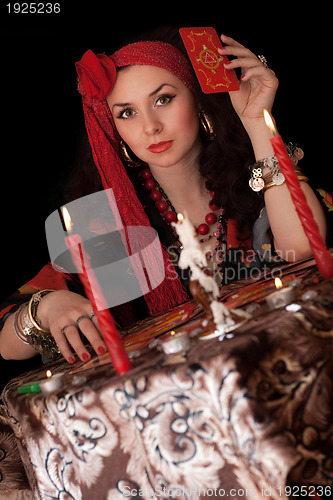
20 325
272 184
25 331
32 309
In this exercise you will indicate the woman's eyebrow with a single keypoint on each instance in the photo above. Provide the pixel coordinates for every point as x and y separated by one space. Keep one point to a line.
121 104
124 104
160 88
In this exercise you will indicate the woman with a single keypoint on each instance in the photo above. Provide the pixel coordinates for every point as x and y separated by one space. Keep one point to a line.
143 106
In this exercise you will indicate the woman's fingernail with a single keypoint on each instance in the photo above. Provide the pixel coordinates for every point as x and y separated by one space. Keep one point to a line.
101 349
70 360
85 356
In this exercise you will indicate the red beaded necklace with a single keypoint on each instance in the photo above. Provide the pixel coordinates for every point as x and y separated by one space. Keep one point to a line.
168 213
165 207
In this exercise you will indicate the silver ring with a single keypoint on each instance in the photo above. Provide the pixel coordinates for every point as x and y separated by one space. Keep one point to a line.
67 326
85 316
263 60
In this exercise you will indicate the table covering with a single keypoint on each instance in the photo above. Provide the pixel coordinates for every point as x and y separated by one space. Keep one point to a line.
247 416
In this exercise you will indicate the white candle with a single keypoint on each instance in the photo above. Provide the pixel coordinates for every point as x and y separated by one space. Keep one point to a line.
282 297
52 383
175 342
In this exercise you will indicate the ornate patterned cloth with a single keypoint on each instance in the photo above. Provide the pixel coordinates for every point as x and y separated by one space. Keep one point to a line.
252 413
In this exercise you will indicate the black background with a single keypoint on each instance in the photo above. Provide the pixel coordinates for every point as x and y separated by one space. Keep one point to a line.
41 109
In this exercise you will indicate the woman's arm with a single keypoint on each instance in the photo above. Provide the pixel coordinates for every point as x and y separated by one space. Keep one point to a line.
257 91
290 240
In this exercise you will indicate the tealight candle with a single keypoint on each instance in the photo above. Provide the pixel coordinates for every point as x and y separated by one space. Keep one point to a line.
282 297
52 383
175 342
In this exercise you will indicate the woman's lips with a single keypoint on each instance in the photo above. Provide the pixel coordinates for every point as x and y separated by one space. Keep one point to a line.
160 147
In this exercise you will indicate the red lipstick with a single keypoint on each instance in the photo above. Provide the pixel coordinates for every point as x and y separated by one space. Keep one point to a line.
160 147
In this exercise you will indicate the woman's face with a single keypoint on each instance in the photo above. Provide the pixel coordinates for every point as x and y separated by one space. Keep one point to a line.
155 114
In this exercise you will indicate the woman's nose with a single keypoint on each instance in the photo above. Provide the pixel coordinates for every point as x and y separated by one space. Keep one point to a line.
152 124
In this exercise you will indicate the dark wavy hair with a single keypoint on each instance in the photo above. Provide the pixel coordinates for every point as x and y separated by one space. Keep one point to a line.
224 161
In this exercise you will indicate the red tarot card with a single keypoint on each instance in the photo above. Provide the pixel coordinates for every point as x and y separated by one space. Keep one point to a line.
201 45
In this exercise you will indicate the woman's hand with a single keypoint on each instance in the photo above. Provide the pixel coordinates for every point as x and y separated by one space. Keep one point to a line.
59 311
258 85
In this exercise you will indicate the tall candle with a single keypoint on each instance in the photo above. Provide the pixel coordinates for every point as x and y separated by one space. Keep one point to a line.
323 259
91 286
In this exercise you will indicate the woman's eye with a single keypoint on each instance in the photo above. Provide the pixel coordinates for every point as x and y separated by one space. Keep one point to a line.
164 99
126 113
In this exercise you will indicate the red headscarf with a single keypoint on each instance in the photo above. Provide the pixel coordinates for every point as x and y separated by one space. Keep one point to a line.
97 76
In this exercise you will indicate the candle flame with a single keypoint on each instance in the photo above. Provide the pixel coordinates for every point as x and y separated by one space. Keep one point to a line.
67 219
278 283
49 373
269 122
180 217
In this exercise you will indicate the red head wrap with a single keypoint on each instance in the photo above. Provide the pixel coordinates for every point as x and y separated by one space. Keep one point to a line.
97 73
97 76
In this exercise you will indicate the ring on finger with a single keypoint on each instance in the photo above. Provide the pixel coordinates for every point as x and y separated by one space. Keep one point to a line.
85 316
263 60
64 328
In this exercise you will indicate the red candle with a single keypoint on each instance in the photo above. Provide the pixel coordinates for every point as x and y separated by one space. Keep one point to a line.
323 259
91 286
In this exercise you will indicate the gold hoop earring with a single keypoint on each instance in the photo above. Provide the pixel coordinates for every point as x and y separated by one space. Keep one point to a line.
207 126
127 158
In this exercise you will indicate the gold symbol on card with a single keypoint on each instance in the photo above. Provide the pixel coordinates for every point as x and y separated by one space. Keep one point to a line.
209 59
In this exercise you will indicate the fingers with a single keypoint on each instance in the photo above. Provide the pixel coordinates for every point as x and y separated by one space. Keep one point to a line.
230 41
91 332
68 337
245 63
60 336
237 52
244 57
246 60
267 76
